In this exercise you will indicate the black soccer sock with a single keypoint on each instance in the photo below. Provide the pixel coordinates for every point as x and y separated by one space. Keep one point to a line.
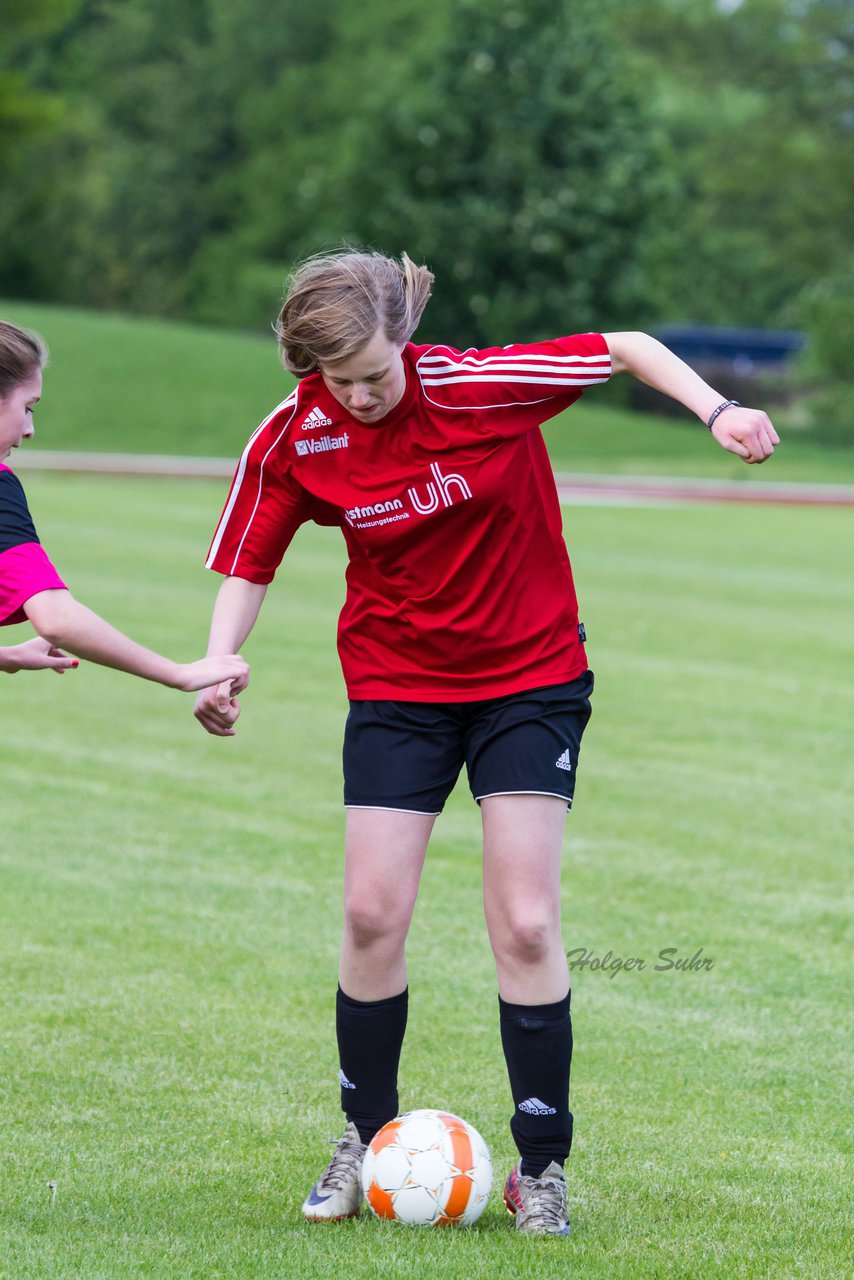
537 1042
370 1037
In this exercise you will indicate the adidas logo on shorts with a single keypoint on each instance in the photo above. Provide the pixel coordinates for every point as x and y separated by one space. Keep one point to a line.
316 419
533 1107
564 762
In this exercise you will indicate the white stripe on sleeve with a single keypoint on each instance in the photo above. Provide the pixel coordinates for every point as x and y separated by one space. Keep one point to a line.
239 477
564 380
520 360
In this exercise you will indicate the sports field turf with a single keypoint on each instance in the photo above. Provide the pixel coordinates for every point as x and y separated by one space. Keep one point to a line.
169 917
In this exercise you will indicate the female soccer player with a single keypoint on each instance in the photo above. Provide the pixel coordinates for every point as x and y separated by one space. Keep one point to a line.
460 643
30 587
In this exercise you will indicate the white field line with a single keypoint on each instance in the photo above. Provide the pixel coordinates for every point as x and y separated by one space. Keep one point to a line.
124 464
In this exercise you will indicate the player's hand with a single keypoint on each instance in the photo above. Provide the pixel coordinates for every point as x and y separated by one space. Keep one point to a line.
229 668
37 655
217 710
746 432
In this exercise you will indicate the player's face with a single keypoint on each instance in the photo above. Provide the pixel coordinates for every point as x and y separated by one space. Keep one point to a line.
16 413
370 383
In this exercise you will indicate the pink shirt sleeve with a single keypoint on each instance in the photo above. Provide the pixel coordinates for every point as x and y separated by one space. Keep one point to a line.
24 571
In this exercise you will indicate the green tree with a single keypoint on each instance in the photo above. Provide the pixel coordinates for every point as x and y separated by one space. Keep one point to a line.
25 112
28 114
513 154
757 103
143 172
559 164
305 165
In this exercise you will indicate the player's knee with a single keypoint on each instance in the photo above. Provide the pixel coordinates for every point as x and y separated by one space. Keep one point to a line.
527 937
369 922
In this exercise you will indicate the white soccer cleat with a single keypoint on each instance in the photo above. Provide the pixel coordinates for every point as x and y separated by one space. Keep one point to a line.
538 1203
337 1194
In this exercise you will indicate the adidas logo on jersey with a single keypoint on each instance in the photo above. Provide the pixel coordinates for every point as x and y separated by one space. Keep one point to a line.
316 419
533 1107
344 1082
564 762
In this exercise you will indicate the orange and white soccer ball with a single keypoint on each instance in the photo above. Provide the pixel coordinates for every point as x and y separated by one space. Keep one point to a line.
428 1169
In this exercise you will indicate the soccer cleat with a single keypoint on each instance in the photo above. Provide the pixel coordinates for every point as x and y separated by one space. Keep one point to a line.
538 1203
337 1193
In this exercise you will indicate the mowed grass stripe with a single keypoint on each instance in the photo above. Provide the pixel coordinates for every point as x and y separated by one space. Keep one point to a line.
170 910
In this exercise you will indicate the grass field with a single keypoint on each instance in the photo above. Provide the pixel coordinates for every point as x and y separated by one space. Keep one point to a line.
130 385
169 917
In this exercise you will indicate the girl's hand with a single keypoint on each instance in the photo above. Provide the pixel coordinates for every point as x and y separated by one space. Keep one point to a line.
36 655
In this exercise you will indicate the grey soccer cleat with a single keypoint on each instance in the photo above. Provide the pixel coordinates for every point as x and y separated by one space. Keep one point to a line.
337 1193
538 1203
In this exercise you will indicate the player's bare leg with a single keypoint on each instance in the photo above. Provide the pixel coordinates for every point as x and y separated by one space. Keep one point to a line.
522 856
384 856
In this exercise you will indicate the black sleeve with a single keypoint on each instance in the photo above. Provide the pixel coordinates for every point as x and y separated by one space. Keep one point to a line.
16 523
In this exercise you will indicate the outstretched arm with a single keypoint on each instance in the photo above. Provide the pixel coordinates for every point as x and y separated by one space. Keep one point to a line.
745 432
238 604
66 623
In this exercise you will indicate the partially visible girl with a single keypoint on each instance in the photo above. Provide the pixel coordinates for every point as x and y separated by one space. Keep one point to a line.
30 587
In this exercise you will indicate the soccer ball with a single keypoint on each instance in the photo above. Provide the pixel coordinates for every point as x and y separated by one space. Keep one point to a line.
428 1169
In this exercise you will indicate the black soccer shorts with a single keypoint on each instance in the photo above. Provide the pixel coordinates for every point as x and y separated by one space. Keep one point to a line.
408 755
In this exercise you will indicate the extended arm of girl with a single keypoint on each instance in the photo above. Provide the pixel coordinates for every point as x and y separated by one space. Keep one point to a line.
745 432
66 623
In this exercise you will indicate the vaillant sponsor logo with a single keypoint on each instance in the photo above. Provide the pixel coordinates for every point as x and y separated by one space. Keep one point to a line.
324 445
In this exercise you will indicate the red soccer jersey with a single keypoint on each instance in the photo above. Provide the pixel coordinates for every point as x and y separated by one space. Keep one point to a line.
459 586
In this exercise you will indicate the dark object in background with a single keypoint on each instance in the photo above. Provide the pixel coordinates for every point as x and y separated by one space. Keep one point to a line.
743 364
